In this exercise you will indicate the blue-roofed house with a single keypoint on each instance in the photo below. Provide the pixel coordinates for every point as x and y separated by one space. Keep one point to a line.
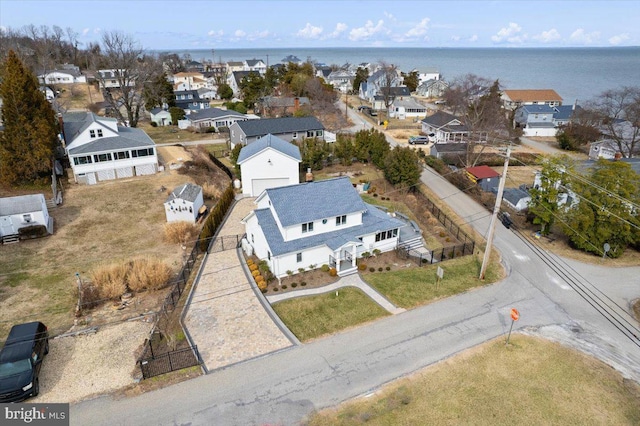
268 162
536 120
564 114
317 223
99 149
287 128
211 117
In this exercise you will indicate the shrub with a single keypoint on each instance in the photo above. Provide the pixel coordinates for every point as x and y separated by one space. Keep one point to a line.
325 268
376 252
90 295
447 239
110 280
303 283
375 195
388 268
289 272
180 232
294 285
442 234
312 266
250 261
284 286
33 231
255 273
262 286
253 268
372 269
153 124
211 191
366 254
147 274
362 266
275 289
263 290
301 270
380 269
333 272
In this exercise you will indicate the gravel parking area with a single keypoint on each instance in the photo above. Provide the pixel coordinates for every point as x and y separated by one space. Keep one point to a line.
80 367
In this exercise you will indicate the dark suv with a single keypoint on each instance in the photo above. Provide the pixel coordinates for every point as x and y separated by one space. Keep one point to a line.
20 361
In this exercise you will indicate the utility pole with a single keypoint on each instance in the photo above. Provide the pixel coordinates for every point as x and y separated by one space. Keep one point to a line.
494 217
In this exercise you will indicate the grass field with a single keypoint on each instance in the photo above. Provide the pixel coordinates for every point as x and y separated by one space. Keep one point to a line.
529 382
413 287
171 134
315 316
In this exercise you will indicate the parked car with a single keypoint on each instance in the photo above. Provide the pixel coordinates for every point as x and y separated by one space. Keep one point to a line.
418 140
21 360
363 107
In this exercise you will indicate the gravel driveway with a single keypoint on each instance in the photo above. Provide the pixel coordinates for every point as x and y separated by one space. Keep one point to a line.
83 366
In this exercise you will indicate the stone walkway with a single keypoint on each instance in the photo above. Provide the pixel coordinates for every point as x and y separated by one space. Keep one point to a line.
353 280
225 317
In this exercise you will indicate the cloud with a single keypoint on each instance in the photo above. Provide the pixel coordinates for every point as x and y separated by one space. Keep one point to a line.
309 31
389 16
510 34
547 36
366 32
214 33
617 39
240 34
97 30
419 30
340 28
579 36
473 38
455 38
85 31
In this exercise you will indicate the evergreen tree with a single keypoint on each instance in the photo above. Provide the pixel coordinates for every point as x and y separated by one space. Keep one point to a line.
362 74
402 167
158 92
30 126
544 197
605 213
371 146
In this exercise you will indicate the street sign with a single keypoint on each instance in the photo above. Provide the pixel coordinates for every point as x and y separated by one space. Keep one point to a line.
515 315
440 272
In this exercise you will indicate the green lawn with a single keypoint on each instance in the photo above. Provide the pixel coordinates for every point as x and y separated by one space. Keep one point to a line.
413 287
314 316
530 382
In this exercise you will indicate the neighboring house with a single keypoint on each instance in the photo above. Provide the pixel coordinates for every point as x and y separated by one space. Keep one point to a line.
403 108
208 93
234 79
184 203
287 128
256 65
110 79
99 149
376 82
292 58
427 75
391 93
432 88
160 116
189 100
280 106
63 76
516 198
211 117
535 120
194 66
447 128
20 212
512 99
188 81
235 66
565 114
268 162
317 223
448 151
341 80
605 148
484 176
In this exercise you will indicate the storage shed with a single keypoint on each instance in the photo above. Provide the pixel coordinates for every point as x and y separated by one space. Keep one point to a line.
184 203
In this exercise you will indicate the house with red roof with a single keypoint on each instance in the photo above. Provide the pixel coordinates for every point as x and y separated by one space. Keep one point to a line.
484 176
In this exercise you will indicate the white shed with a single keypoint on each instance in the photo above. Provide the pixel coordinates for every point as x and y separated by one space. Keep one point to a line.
184 203
21 212
269 162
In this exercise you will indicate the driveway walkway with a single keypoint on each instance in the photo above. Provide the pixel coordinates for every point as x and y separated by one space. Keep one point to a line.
225 318
353 280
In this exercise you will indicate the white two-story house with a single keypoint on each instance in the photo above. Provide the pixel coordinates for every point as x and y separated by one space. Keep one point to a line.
99 149
317 223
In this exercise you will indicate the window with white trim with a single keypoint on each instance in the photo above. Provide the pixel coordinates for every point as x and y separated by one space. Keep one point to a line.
385 235
121 155
82 160
92 134
298 257
100 158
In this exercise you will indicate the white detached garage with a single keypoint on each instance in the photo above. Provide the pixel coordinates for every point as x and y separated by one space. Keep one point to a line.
269 162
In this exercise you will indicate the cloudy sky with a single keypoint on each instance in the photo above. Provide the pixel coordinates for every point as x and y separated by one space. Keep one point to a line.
296 23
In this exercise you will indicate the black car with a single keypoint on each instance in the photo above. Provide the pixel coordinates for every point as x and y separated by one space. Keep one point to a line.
20 361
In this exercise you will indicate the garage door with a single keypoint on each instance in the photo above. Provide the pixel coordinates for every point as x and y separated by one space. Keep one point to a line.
259 185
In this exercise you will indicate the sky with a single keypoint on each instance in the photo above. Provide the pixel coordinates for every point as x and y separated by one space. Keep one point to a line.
235 24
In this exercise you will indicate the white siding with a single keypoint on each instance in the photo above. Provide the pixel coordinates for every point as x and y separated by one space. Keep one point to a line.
259 185
288 262
109 174
124 172
268 164
145 169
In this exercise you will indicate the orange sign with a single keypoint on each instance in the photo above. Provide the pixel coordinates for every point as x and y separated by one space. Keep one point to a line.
515 315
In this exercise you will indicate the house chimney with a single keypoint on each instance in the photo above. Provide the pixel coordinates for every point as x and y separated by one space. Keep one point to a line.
309 176
296 104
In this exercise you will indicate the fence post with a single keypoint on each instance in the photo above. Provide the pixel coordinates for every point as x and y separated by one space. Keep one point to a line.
170 364
442 255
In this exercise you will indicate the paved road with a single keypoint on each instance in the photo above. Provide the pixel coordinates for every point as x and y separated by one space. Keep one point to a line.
286 386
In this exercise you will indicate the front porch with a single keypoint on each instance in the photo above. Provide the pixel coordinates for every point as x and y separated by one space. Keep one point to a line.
344 261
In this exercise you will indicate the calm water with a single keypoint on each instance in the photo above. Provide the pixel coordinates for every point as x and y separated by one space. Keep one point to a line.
575 73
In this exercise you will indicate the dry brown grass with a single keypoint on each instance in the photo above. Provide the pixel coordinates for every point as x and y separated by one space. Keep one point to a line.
180 232
78 95
110 280
148 274
211 191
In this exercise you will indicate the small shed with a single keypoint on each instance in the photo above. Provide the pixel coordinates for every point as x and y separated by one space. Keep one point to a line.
160 116
22 212
484 176
184 203
516 198
445 151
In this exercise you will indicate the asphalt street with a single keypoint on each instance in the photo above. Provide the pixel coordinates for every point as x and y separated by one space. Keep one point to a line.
284 387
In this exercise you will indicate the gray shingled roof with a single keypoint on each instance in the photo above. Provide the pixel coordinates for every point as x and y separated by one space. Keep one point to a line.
307 202
21 204
128 138
441 120
373 221
76 122
210 113
277 126
513 195
269 141
444 148
188 192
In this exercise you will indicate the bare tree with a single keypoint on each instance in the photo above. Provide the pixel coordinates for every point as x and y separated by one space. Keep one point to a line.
618 112
131 69
389 79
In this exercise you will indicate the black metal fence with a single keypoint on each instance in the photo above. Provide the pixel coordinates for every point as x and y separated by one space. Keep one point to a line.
446 221
155 365
423 258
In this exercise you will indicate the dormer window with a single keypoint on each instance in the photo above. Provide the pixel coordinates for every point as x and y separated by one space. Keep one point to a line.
307 227
341 220
99 133
92 134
